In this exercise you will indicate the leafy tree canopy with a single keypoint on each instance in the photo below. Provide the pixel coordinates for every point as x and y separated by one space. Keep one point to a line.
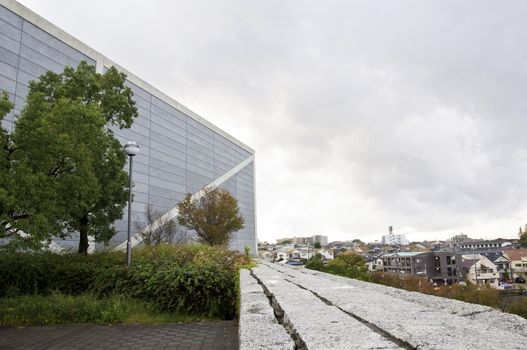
522 238
214 217
68 164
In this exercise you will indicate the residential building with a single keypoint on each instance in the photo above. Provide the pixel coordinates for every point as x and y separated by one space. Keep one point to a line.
438 267
501 262
518 261
480 270
181 152
479 246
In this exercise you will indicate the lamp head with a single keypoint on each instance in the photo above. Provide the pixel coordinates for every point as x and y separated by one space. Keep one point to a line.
131 148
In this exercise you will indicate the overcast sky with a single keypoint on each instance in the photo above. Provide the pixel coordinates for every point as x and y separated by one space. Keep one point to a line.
363 114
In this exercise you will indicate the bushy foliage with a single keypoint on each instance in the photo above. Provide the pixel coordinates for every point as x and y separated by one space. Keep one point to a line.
42 273
518 307
470 293
315 262
191 279
214 216
347 265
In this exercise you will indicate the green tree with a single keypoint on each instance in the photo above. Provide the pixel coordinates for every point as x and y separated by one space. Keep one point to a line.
315 262
317 245
21 209
349 265
62 136
214 216
522 238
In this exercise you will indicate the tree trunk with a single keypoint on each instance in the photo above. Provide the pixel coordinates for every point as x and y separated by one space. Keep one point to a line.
83 235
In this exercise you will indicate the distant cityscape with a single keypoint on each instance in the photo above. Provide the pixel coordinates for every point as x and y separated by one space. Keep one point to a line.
500 263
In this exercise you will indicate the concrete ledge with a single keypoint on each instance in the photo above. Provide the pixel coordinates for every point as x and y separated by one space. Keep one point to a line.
404 319
258 327
503 321
317 324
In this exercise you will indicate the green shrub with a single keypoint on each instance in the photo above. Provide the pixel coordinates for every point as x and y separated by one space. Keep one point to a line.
518 307
42 273
190 279
347 265
315 262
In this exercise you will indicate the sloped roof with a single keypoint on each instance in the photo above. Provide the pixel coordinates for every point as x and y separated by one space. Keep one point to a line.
469 262
492 256
515 254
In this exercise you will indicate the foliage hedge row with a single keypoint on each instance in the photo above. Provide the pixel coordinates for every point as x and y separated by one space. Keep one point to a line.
193 279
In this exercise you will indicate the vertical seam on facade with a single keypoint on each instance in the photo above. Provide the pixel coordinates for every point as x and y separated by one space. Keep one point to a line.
17 71
149 146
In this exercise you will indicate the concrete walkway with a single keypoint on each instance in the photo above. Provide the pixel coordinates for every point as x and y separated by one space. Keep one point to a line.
221 335
321 311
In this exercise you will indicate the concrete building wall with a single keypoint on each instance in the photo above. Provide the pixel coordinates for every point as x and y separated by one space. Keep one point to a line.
180 151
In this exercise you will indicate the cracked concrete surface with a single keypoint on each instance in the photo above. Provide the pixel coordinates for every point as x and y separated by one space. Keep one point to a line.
332 312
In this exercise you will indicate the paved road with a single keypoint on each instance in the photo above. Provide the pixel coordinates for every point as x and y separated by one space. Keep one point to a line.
221 335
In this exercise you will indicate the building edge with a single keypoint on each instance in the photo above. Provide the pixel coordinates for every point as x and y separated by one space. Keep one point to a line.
103 61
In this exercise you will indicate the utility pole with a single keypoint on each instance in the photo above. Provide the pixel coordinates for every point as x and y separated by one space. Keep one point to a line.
475 268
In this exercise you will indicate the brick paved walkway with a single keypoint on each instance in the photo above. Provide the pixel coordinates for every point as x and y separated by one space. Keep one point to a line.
190 336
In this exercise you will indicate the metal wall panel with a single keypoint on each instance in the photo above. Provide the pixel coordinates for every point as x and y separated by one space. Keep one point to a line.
178 155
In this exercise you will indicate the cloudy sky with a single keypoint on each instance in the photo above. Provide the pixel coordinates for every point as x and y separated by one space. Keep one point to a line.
363 114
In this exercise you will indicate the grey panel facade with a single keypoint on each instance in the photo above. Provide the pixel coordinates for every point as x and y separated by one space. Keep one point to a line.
180 152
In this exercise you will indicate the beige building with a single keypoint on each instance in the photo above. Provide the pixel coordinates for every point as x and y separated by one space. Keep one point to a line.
518 259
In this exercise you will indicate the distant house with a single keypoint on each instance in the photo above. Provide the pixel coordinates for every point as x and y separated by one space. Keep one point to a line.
501 262
518 261
326 254
480 270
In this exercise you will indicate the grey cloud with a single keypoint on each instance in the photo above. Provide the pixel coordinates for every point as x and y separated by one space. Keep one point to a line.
362 113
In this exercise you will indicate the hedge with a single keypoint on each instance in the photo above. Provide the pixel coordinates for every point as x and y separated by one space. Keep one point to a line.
193 279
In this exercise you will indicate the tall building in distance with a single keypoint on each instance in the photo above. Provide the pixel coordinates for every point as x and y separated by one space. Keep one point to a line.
394 239
181 152
306 240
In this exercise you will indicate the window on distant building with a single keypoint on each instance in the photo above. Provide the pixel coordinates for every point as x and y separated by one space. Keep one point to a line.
449 260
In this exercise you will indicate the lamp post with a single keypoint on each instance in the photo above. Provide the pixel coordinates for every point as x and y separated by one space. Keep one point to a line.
131 148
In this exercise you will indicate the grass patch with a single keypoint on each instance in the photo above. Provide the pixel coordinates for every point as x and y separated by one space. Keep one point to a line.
85 308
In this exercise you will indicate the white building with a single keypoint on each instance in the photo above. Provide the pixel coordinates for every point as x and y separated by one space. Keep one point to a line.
480 270
394 239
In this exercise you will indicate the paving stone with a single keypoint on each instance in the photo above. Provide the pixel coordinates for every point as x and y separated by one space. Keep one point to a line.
258 327
132 337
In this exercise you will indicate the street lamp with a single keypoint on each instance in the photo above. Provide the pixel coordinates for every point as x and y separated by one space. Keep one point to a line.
131 148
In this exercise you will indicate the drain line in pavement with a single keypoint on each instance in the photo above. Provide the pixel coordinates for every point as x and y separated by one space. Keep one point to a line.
403 344
279 315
